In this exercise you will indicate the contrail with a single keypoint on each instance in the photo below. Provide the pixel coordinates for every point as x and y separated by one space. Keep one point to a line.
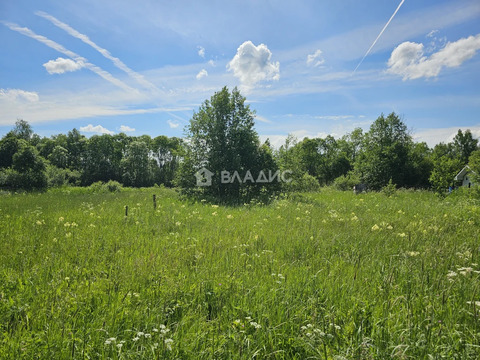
56 46
116 61
378 37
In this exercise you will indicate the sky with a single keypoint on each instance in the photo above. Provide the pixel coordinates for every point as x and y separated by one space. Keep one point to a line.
308 68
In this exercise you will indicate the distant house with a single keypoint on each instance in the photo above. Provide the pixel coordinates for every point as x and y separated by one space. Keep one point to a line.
463 177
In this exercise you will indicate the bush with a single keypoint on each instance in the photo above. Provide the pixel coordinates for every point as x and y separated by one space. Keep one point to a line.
390 189
110 186
306 183
346 182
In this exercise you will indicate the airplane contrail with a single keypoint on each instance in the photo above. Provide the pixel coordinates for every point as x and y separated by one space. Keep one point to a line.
116 61
378 37
56 46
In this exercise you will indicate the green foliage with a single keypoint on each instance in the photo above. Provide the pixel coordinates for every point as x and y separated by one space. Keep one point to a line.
136 165
390 189
221 137
108 187
443 173
346 182
385 153
318 276
306 183
474 163
463 145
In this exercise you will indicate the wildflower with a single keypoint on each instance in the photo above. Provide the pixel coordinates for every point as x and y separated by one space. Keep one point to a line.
67 235
375 227
136 338
140 334
214 213
119 346
39 222
67 224
476 303
229 216
402 235
389 227
256 325
215 206
60 219
413 253
451 275
354 218
465 270
110 340
168 344
92 225
148 336
67 279
178 223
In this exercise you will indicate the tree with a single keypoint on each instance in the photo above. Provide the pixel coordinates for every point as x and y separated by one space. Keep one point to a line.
474 163
221 137
463 145
444 170
28 170
22 130
385 153
166 154
136 165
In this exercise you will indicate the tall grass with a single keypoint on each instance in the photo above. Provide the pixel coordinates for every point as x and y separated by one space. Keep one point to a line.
326 275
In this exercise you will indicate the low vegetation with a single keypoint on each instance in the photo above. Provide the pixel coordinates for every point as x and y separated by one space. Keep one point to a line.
326 275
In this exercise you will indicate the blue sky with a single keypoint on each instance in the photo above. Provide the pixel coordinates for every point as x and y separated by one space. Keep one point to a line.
143 67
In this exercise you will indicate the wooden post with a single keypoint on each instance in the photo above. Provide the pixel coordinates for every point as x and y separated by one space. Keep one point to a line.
154 202
126 210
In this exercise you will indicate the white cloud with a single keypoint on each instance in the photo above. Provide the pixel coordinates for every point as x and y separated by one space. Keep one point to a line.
212 63
62 65
79 59
99 129
201 51
445 135
173 124
409 61
201 74
315 59
252 64
116 61
17 95
125 128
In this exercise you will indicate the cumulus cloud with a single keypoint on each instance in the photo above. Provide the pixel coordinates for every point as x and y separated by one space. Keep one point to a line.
99 129
315 59
252 64
17 95
409 60
62 65
173 124
201 51
125 128
202 73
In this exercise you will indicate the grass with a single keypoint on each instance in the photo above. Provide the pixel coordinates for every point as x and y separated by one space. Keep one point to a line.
326 275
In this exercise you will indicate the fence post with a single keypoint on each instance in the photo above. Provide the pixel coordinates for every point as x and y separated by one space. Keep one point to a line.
154 202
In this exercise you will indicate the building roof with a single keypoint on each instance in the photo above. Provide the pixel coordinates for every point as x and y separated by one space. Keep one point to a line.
466 169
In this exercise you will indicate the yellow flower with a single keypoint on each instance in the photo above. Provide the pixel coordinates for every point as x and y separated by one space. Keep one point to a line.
375 227
60 219
229 216
214 213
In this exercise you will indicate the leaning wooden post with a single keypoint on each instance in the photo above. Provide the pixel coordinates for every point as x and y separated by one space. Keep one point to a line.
126 210
154 202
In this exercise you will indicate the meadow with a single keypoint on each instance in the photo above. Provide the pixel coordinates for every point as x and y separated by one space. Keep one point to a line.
327 275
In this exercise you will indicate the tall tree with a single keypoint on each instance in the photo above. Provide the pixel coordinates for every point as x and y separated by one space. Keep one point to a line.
464 144
136 165
385 153
221 137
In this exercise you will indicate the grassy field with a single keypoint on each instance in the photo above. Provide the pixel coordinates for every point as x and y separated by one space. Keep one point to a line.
328 275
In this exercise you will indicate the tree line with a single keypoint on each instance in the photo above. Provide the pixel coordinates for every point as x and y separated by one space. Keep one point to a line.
221 137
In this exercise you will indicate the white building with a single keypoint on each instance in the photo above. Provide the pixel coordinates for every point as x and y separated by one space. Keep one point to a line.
463 177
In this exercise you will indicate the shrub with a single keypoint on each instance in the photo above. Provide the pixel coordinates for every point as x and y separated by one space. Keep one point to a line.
346 182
